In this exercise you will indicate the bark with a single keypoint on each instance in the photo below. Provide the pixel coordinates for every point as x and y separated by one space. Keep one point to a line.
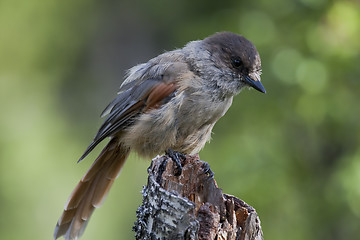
191 206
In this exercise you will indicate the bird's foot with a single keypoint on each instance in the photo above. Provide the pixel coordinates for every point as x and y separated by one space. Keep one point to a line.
177 158
207 170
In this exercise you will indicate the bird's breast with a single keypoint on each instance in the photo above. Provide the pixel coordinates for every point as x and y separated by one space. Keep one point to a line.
183 124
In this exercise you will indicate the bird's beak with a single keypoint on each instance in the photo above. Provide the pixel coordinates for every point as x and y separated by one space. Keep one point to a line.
255 84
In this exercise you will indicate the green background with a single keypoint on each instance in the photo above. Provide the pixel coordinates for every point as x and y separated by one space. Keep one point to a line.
293 153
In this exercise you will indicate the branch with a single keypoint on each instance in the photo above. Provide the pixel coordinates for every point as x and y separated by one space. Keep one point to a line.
191 206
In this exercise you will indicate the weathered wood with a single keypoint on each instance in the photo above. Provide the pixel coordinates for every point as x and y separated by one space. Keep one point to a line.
191 206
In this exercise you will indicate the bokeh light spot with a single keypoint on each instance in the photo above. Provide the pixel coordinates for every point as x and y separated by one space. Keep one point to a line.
285 64
349 175
338 33
258 27
312 76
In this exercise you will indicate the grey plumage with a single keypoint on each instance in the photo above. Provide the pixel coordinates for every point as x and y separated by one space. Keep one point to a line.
172 101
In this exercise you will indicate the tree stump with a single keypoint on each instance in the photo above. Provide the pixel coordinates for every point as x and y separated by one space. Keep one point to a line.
191 206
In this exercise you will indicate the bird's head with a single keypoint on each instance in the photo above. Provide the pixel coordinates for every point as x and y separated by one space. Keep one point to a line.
237 57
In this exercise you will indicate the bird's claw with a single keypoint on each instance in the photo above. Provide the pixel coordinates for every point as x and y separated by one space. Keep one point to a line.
177 158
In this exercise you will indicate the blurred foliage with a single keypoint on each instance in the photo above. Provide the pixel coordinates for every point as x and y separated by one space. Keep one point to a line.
293 153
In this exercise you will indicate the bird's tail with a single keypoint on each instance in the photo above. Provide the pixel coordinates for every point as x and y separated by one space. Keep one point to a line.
91 191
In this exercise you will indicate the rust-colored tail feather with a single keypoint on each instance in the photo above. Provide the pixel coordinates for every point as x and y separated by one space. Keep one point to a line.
91 191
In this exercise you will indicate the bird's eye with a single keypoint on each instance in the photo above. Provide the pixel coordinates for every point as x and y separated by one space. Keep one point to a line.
236 62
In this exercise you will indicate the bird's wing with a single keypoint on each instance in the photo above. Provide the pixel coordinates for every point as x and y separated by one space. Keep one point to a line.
150 87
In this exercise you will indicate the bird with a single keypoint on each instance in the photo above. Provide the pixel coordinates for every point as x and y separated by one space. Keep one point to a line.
168 104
